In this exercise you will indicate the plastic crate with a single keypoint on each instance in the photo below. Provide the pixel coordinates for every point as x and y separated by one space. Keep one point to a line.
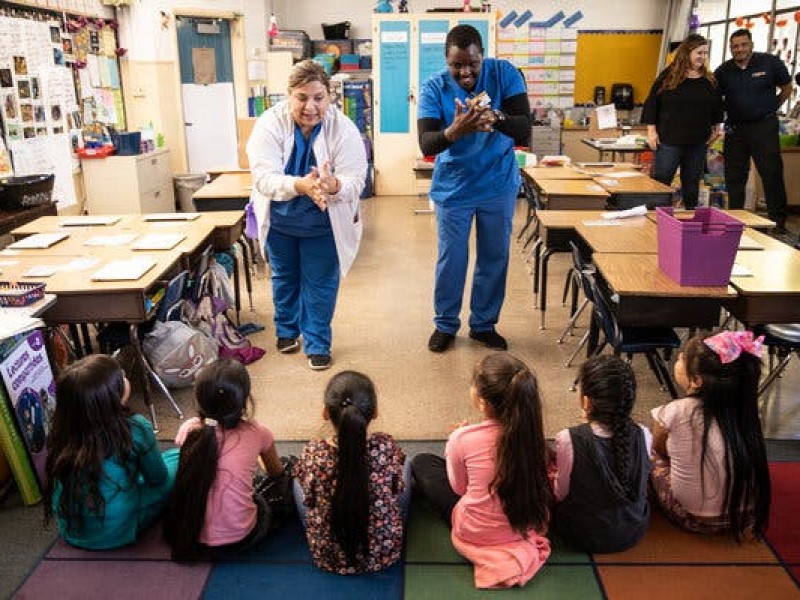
700 250
336 31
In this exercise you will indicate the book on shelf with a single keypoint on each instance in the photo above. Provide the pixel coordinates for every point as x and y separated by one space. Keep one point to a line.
27 402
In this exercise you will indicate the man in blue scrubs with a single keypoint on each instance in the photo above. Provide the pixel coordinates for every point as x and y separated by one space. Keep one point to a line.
747 82
471 115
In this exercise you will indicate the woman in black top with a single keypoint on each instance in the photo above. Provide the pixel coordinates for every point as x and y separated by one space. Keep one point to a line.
682 114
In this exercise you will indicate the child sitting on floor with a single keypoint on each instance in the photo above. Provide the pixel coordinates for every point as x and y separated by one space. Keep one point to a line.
107 480
603 464
351 489
493 486
710 470
214 510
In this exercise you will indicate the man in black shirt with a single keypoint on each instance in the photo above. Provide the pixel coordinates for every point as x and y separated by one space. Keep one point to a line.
748 82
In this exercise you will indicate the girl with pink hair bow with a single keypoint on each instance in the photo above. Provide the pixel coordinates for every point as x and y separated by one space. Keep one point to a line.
709 461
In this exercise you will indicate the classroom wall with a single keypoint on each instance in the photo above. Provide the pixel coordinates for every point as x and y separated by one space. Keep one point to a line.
621 14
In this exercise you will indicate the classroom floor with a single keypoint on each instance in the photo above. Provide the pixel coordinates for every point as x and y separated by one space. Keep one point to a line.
382 325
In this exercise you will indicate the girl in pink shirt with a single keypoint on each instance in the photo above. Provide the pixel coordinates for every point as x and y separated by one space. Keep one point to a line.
213 510
709 461
493 486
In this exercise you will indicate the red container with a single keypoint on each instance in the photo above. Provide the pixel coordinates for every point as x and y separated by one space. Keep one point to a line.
700 250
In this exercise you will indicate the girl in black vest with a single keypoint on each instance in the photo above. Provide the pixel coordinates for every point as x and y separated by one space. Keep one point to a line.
603 464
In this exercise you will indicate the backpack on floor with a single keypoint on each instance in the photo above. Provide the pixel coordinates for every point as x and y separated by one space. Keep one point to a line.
177 352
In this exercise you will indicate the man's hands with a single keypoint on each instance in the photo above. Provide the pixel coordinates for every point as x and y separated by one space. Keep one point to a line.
470 118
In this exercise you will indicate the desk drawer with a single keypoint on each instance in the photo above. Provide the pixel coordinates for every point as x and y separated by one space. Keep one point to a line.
161 199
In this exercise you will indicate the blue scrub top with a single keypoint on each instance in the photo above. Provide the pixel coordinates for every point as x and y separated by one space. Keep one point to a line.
299 216
481 165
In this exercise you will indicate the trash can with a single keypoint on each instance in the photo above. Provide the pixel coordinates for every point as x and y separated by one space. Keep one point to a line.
185 187
17 193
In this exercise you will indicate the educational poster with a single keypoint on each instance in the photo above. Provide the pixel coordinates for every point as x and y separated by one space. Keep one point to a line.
31 390
395 59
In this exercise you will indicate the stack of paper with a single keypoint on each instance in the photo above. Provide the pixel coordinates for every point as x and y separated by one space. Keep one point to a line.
39 240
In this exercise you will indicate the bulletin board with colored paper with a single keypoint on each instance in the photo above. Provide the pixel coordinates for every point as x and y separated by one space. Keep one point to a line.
605 58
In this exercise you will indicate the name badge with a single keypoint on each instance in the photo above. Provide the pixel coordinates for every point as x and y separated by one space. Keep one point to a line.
759 74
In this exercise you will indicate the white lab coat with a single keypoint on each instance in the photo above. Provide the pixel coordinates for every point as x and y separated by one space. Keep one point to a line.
268 150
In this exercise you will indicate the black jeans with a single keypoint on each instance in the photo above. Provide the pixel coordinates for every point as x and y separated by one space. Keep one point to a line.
757 140
429 473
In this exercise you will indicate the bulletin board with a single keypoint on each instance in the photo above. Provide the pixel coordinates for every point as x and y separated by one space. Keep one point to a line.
58 72
605 57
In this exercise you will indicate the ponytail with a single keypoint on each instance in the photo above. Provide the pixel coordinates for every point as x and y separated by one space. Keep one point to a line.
350 402
520 480
186 511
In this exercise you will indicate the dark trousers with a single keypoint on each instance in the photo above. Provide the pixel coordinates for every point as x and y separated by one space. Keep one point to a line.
692 160
429 473
757 140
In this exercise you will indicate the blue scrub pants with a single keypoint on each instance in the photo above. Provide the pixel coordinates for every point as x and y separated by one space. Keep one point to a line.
305 282
492 236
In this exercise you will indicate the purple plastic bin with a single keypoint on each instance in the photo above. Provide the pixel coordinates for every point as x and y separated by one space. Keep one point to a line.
700 250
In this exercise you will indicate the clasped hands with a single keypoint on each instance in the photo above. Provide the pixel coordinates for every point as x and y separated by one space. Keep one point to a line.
470 117
318 185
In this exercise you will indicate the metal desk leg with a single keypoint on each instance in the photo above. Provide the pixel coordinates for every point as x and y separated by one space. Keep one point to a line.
248 280
143 367
237 293
543 284
536 253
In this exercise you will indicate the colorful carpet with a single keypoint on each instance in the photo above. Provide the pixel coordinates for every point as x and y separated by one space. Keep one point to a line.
667 563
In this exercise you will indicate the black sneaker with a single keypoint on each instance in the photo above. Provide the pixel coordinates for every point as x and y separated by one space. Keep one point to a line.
491 339
287 345
440 341
319 362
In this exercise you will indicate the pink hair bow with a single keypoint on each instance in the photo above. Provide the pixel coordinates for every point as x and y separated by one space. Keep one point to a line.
729 344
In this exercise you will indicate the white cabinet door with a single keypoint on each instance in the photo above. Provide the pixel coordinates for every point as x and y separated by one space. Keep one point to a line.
209 113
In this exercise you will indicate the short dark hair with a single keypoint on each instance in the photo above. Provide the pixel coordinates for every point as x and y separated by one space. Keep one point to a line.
741 32
462 37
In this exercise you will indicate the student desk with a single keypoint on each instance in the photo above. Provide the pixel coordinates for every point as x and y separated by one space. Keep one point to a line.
215 172
772 293
572 194
615 148
750 219
82 301
632 235
628 192
229 191
648 297
227 229
536 174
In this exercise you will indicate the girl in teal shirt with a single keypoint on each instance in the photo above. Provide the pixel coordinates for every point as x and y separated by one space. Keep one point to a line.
107 480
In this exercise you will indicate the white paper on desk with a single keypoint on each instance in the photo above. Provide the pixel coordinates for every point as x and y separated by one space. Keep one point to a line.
636 211
602 222
124 270
748 243
626 174
39 240
158 241
606 116
741 271
41 271
110 240
608 182
171 216
88 220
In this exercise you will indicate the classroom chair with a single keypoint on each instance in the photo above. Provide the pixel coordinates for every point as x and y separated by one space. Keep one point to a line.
631 340
577 279
534 204
782 342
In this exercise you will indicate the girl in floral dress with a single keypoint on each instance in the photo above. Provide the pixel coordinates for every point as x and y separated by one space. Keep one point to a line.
352 489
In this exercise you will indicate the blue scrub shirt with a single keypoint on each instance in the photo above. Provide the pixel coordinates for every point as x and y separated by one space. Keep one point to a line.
300 217
481 165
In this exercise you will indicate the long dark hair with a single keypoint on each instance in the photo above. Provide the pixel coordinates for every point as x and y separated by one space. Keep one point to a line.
609 382
89 426
520 481
350 401
222 391
729 394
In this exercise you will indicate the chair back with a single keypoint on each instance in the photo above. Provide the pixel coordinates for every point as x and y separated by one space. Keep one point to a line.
582 270
604 315
170 303
531 195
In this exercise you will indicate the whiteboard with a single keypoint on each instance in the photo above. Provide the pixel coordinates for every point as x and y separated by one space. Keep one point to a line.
209 115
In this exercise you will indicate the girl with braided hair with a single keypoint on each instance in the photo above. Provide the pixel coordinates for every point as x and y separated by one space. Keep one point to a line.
603 464
492 487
